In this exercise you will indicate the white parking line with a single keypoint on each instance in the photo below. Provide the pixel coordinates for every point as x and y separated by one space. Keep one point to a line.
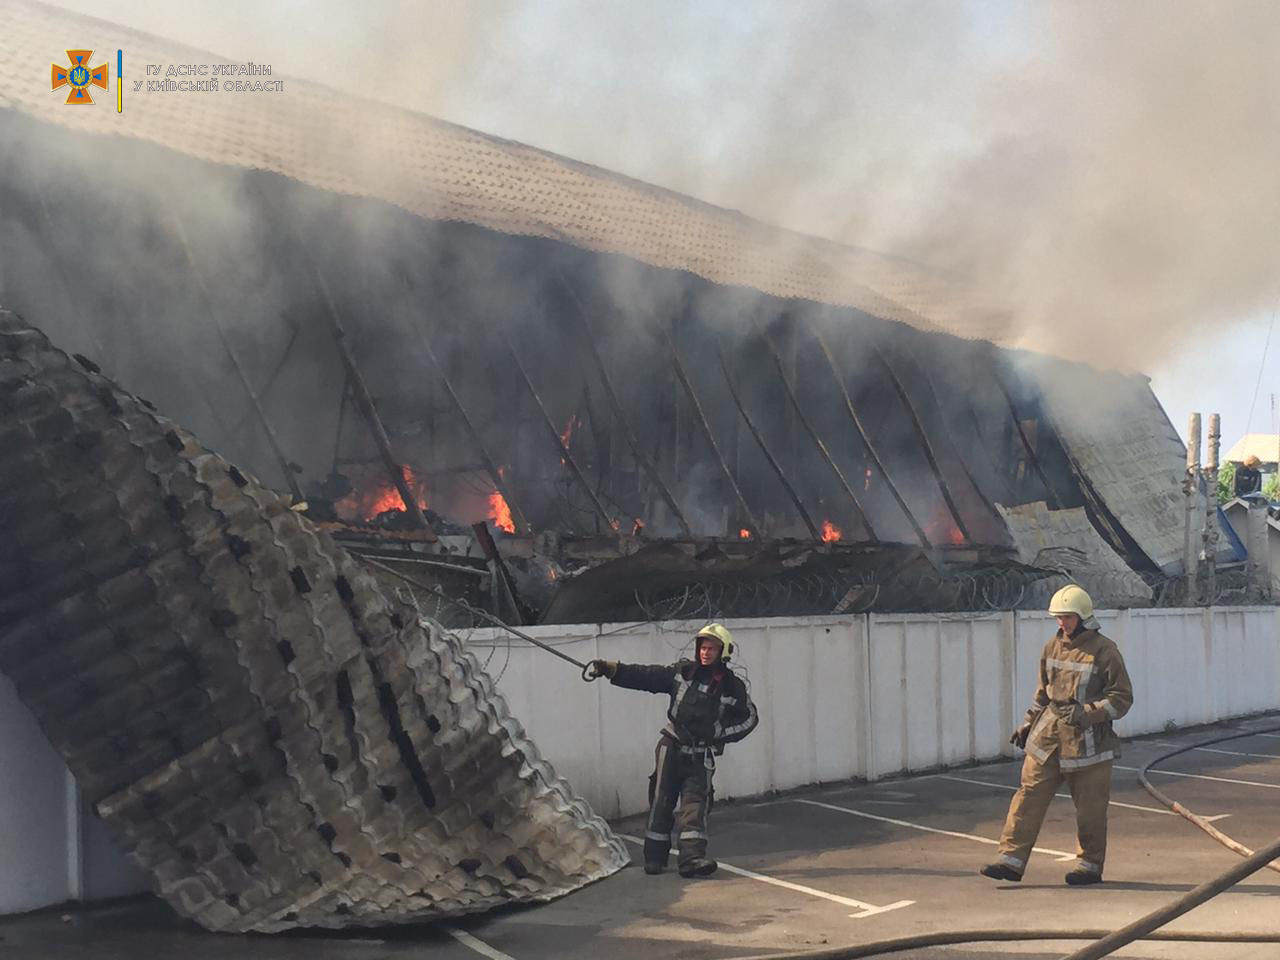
864 909
479 946
1058 854
1229 753
1201 776
1066 796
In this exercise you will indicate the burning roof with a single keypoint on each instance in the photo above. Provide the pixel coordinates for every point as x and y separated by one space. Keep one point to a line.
471 329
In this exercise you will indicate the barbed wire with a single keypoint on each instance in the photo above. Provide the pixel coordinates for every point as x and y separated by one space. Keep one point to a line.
982 590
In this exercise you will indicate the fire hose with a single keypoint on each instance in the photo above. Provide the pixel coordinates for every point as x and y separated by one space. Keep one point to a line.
1105 942
495 621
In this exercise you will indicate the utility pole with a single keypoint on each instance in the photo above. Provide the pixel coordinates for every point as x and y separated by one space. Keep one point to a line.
1210 539
1190 489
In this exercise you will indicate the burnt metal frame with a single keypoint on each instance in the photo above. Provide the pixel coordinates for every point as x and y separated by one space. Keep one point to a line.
866 440
618 411
817 440
207 299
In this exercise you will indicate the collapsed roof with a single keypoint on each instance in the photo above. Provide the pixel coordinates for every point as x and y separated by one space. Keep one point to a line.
278 741
563 350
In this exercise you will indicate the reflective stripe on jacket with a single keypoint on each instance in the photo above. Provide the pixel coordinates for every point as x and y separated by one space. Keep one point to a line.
1085 669
709 705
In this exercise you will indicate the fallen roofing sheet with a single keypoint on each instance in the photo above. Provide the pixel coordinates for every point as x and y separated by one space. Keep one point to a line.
442 171
279 742
1124 448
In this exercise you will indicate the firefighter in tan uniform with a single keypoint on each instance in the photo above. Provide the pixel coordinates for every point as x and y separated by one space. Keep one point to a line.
1067 734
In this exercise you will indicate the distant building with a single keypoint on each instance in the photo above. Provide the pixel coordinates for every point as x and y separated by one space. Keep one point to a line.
1264 446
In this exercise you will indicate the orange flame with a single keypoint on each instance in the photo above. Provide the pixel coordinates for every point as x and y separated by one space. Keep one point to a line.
744 534
500 513
381 495
830 532
568 430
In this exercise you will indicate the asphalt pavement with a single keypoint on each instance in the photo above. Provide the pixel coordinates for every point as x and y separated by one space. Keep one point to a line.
817 868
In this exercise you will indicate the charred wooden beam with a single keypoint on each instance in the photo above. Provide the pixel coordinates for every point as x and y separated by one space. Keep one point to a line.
753 525
609 522
1054 500
956 450
764 447
273 440
342 416
620 413
364 403
866 440
817 440
930 455
500 572
273 375
495 475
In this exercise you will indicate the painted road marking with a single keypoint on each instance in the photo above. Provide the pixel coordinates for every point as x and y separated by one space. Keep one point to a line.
1201 776
1229 753
1066 796
1058 854
864 909
476 944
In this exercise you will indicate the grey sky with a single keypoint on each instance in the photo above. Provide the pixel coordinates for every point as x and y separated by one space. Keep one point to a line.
1106 169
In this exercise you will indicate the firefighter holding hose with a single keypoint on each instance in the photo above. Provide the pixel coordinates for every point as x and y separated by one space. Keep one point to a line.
709 707
1067 734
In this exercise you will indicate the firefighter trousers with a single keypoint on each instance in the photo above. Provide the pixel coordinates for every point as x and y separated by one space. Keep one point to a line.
679 774
1090 791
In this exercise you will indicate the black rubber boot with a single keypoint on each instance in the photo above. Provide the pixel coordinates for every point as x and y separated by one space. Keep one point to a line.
653 866
1001 871
698 867
1082 878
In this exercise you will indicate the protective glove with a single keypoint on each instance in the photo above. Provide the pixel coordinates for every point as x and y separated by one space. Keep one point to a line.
1019 738
603 668
1070 713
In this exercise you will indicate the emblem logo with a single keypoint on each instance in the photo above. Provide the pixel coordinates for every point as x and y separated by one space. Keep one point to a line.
79 76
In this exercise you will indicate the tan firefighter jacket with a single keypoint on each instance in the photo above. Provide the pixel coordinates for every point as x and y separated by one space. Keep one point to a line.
1085 669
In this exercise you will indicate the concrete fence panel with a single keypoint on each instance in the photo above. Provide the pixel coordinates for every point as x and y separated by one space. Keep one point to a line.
839 697
1244 659
940 689
1167 655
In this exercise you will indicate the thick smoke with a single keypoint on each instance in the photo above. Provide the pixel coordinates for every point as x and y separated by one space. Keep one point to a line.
1104 170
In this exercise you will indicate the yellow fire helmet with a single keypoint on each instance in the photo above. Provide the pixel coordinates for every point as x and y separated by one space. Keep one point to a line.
718 631
1071 599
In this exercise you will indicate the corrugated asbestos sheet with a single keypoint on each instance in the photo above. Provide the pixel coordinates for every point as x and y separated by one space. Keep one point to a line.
1065 539
276 740
1121 442
441 171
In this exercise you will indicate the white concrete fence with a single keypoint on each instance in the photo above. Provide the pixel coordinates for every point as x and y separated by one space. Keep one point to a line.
839 697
